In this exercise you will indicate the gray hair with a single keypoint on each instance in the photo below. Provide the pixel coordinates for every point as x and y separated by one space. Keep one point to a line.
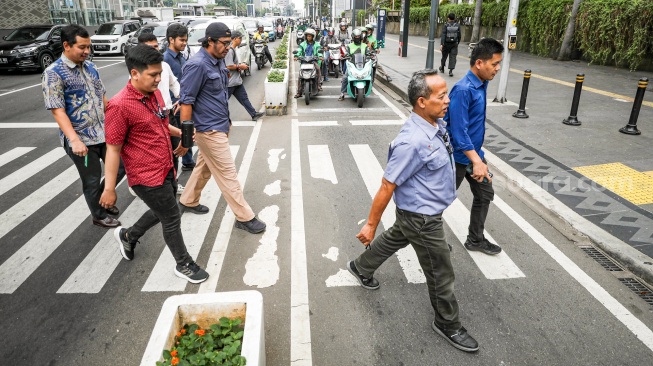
417 86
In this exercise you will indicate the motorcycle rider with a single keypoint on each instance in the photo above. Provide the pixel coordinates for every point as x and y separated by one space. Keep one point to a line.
262 35
325 42
301 26
309 48
343 33
371 40
357 46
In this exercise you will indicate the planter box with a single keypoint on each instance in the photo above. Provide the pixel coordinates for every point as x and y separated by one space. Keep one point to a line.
205 310
276 95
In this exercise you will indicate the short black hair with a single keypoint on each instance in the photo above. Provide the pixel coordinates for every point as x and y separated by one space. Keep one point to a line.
141 56
485 49
417 87
69 34
175 31
147 37
451 16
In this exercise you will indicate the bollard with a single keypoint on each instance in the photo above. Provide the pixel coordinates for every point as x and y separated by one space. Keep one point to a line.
521 112
631 127
572 120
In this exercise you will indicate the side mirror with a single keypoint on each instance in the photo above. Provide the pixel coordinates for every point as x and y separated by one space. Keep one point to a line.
4 37
55 39
96 31
294 52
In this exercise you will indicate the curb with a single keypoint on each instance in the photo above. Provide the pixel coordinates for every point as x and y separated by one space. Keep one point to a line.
636 262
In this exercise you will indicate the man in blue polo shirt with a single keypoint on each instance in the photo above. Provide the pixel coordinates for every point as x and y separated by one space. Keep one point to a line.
466 124
421 176
205 100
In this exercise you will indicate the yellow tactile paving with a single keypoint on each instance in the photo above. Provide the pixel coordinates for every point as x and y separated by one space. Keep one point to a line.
636 187
649 173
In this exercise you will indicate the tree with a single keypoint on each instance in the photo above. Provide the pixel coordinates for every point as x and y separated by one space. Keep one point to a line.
476 30
568 41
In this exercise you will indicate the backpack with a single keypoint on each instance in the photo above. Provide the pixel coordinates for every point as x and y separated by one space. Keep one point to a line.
452 32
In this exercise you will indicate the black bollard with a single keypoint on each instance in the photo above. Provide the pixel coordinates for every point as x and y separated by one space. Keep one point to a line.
631 127
521 112
572 120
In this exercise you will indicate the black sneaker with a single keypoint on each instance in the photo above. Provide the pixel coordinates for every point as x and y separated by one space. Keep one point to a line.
258 115
199 209
458 338
191 272
188 167
483 246
253 226
126 247
441 69
451 73
368 283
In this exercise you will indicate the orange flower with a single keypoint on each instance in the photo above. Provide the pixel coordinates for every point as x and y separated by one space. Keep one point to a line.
200 332
183 331
173 353
174 361
178 334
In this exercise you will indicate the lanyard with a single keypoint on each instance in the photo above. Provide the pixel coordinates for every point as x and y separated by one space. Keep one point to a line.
158 113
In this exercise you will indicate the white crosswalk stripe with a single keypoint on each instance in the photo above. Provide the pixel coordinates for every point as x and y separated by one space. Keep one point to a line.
13 154
26 172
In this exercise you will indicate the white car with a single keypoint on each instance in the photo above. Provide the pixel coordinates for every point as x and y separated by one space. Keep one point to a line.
112 37
244 53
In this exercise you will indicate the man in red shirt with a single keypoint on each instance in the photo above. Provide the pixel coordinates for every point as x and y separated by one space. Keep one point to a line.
137 130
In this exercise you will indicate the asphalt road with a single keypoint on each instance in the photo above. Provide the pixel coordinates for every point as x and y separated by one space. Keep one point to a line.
544 302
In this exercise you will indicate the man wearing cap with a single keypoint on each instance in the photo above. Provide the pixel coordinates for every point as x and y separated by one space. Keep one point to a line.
235 68
205 100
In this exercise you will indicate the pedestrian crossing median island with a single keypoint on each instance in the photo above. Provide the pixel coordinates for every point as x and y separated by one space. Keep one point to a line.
276 92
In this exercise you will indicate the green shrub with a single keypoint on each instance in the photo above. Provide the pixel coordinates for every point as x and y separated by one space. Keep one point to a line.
275 76
279 64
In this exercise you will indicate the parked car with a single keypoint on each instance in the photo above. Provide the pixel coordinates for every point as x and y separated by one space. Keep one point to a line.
243 52
251 24
268 28
32 47
159 30
112 37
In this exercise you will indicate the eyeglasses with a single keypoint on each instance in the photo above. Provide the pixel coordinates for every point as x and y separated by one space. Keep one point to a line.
224 43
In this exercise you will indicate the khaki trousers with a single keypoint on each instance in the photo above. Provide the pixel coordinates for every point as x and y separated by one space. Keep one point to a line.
214 159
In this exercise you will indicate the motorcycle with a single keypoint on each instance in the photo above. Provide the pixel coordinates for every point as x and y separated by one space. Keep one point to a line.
308 77
300 36
259 54
335 55
279 32
359 76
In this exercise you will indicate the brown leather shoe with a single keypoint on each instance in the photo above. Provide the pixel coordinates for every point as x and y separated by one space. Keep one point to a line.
113 211
107 222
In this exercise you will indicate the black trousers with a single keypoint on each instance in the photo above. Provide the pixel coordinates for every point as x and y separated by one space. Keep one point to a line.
449 50
162 203
90 172
483 195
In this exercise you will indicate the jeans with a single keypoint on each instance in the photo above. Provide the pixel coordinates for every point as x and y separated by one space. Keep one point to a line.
450 50
343 84
241 95
483 195
90 171
426 234
162 203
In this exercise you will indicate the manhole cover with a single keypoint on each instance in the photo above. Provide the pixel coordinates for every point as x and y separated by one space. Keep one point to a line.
637 287
604 261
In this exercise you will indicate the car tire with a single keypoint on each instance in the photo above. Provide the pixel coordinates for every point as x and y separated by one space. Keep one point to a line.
45 60
123 49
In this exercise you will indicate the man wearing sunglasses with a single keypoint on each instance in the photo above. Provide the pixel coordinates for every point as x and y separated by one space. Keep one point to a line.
205 100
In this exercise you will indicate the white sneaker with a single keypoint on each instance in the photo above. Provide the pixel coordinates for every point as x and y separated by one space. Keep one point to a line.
180 189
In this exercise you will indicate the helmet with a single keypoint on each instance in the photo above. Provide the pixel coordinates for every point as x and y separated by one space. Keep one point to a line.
369 27
310 31
356 36
330 30
363 31
343 24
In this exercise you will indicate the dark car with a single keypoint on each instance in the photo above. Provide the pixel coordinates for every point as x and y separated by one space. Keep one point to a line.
31 47
159 30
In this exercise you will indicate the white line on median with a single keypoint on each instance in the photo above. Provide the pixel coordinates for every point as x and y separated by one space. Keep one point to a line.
300 321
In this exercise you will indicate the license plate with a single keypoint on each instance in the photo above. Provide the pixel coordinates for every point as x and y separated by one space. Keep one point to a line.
100 48
3 60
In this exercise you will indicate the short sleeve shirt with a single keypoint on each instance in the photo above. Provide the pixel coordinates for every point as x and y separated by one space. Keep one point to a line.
234 75
133 122
421 167
80 92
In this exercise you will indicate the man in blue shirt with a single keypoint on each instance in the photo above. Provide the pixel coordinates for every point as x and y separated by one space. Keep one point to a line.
205 100
421 176
177 37
466 119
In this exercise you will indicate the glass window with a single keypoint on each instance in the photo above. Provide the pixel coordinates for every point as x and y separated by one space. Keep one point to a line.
28 34
108 29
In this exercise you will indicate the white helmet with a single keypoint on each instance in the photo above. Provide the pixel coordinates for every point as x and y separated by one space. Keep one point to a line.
310 31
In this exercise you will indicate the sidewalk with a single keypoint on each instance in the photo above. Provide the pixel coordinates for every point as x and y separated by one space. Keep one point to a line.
598 174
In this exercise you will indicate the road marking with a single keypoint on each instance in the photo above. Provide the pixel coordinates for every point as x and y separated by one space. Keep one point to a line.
560 82
341 110
219 250
162 276
318 123
25 208
372 173
19 176
274 155
392 106
636 326
300 321
273 188
493 267
243 123
320 163
330 87
39 84
341 279
338 96
262 269
376 122
22 125
635 186
13 154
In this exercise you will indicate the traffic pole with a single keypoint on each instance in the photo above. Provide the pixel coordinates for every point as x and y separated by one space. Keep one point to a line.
572 120
432 27
521 111
631 127
511 24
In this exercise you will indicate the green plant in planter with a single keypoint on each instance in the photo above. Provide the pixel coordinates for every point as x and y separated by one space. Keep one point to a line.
219 345
275 76
279 64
